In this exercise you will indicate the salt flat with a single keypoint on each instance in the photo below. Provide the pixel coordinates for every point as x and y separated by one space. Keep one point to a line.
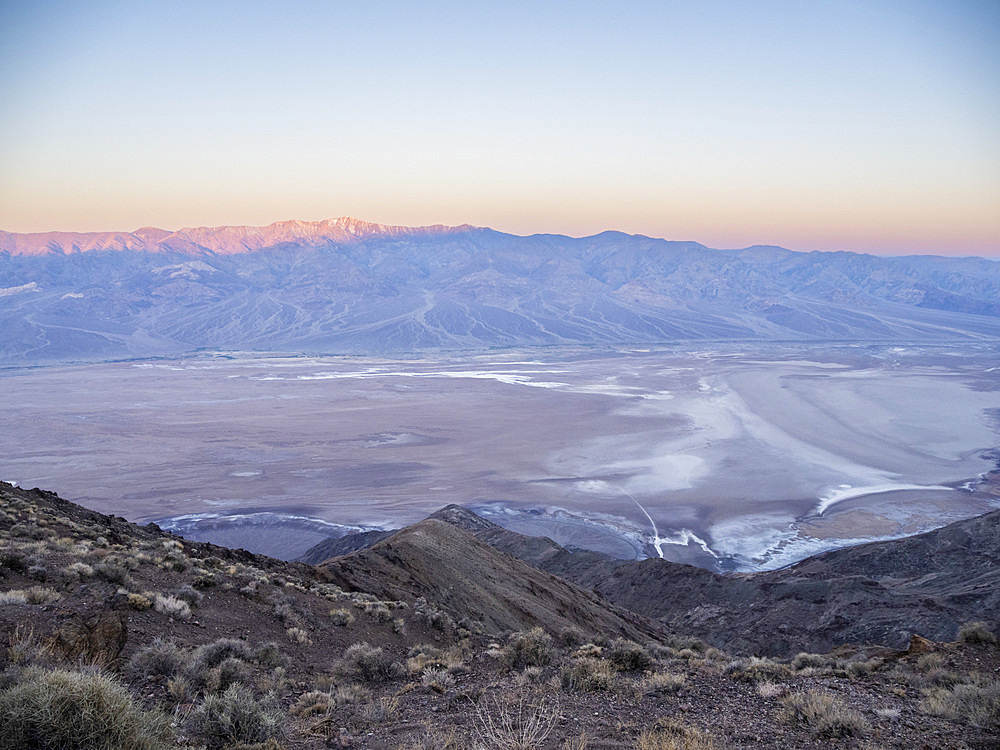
742 458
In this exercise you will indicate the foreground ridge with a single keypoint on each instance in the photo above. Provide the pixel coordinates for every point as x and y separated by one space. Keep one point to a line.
307 660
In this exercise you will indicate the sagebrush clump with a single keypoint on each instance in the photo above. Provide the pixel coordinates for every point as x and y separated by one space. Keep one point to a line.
77 711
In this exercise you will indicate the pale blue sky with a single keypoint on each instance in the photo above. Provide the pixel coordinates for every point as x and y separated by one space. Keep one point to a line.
815 125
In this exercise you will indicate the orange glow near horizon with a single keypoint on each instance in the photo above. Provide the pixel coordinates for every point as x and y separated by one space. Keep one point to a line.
871 127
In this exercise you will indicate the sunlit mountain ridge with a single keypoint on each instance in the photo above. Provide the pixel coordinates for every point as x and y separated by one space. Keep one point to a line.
348 286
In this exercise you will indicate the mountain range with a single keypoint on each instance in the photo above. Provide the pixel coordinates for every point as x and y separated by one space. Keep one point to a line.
348 286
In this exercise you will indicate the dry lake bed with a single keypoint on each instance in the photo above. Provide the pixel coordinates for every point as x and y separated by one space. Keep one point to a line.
732 458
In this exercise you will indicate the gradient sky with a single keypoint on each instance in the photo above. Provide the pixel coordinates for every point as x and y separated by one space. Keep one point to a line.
871 126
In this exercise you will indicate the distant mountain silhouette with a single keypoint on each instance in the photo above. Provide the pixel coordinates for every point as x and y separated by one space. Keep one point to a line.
347 286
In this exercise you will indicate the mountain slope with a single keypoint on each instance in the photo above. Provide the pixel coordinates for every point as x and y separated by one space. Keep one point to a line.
225 647
882 593
453 570
350 286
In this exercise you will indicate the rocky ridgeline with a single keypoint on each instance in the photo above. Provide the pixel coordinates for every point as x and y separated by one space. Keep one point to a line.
120 636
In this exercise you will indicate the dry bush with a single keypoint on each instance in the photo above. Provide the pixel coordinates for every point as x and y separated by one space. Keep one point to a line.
588 675
437 680
628 656
662 683
674 736
805 660
77 711
139 602
313 703
171 607
975 702
298 635
234 717
825 716
515 722
341 617
756 669
370 663
977 632
385 709
207 657
229 672
532 648
159 659
33 595
570 637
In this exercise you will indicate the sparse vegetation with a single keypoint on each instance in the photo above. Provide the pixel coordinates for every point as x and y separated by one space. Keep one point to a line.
370 663
171 607
235 717
824 715
519 722
532 648
977 632
976 701
341 691
77 711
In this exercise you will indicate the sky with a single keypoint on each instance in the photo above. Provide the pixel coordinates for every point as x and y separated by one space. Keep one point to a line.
868 126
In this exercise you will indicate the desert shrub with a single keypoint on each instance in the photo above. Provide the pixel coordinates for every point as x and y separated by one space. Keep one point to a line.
211 655
77 711
12 561
38 572
977 632
662 683
233 717
370 663
14 596
681 642
269 655
820 712
805 660
385 709
628 656
171 607
672 735
438 680
113 572
33 595
159 659
976 702
591 650
341 617
929 662
434 617
587 675
570 637
532 648
189 594
861 667
139 602
298 635
313 703
351 695
230 672
514 722
756 669
433 738
25 647
770 689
